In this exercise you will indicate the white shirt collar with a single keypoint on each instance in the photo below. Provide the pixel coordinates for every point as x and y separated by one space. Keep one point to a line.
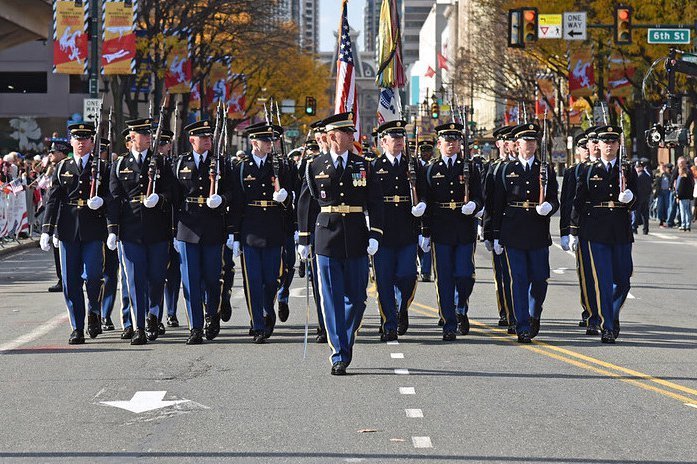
344 157
446 158
84 159
391 157
139 155
529 162
200 156
258 159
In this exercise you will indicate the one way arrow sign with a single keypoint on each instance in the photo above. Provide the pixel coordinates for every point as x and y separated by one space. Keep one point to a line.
144 401
575 25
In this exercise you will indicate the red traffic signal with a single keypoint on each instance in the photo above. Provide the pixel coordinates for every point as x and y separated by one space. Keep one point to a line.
530 20
623 25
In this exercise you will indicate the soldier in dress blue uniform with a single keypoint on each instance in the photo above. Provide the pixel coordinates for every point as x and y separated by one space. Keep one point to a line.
345 187
521 228
500 266
140 220
566 201
601 219
425 154
111 258
76 214
258 211
395 261
202 229
453 194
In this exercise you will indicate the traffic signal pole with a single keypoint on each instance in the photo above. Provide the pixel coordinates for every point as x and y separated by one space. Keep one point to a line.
94 46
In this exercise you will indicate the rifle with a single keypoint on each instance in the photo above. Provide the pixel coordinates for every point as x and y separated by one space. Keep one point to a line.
465 155
214 172
278 118
96 165
411 171
622 157
175 139
109 133
543 165
602 107
153 170
525 112
274 159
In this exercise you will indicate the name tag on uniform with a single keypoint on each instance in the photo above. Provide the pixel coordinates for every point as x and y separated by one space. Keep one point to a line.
596 177
185 169
513 174
322 175
438 175
126 171
67 174
381 171
250 177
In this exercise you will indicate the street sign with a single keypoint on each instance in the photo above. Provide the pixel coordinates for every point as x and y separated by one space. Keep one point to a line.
287 106
549 26
575 25
668 36
292 133
90 108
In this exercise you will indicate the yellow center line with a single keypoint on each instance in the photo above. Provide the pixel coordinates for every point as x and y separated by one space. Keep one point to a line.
544 349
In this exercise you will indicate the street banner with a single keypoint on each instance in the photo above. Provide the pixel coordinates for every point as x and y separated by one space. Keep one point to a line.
237 103
178 76
70 36
619 73
142 82
581 74
195 96
544 99
512 114
119 37
218 88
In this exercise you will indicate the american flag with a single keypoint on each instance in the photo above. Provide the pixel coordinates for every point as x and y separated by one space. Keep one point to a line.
346 93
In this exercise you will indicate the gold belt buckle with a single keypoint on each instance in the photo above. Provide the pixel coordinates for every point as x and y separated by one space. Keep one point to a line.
396 198
452 205
81 202
342 209
611 204
526 204
201 200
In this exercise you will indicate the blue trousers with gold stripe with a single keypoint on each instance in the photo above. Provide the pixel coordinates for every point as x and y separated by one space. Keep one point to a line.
312 273
288 270
589 296
145 267
503 287
528 272
395 278
261 269
82 263
201 266
454 272
612 267
342 285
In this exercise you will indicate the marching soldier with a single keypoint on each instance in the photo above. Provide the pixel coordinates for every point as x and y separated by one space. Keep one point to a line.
76 214
601 219
500 266
520 224
568 193
261 186
453 193
140 219
59 150
344 186
111 257
395 261
425 153
204 191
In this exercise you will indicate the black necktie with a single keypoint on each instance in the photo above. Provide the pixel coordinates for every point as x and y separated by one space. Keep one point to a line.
527 167
450 164
261 164
608 167
340 165
396 162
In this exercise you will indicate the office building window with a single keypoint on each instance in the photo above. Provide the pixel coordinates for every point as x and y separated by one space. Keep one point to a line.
23 82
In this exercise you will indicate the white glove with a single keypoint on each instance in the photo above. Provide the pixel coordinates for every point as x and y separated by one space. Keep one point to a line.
425 243
372 246
480 231
296 236
44 242
479 214
214 201
280 196
573 242
151 201
236 250
564 241
488 245
498 249
419 209
111 242
95 203
544 209
468 208
626 196
230 243
304 251
175 244
56 242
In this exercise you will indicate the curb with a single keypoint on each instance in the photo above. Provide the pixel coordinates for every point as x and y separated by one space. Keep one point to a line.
25 245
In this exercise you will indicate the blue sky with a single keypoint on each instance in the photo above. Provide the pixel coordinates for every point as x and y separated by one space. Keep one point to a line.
329 15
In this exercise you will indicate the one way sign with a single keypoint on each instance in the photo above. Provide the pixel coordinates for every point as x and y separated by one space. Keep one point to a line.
575 25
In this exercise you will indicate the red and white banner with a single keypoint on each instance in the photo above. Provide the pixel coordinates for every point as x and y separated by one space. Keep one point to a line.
620 71
581 74
70 36
545 97
218 87
119 37
178 76
237 103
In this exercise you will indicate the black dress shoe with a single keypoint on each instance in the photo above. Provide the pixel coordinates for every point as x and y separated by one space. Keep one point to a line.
441 322
607 337
592 330
463 324
225 310
534 327
107 325
616 329
511 329
151 327
339 368
524 337
403 323
161 328
127 333
283 311
212 326
270 324
56 288
301 269
583 323
321 336
172 321
139 337
195 337
94 325
389 336
76 338
503 321
449 336
259 338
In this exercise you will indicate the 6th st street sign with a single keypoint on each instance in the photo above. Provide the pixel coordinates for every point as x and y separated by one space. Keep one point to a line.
668 36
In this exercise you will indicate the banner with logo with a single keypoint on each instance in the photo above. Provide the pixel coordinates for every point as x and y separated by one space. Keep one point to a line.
218 88
178 76
237 103
512 114
195 96
581 73
544 99
70 36
118 37
619 74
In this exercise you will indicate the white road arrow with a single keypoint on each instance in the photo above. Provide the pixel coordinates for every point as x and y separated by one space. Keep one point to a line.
143 401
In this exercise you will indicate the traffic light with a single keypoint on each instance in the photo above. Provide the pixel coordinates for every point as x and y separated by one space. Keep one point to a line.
435 110
623 25
529 25
514 30
310 106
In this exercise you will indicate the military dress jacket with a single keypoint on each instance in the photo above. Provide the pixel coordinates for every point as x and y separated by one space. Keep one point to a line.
488 193
515 221
567 195
67 215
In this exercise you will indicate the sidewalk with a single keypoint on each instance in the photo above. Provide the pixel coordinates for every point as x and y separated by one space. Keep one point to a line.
23 244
